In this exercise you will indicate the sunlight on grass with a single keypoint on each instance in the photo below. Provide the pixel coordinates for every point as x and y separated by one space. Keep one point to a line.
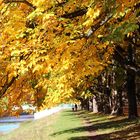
80 125
59 126
65 126
35 130
113 127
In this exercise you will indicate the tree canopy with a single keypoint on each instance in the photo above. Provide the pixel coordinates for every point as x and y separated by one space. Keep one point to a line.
49 48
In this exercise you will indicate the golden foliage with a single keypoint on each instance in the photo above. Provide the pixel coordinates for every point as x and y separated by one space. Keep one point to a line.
49 46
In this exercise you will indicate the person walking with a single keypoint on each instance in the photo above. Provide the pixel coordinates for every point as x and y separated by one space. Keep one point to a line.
73 106
76 107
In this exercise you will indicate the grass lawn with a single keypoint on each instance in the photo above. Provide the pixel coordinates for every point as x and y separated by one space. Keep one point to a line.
80 125
106 127
53 127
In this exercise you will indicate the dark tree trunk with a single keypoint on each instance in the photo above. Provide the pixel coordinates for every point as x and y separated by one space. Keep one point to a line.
100 102
131 93
87 104
84 104
120 109
131 86
107 92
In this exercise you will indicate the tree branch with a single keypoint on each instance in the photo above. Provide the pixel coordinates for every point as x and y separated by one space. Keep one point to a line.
120 57
76 13
6 86
95 27
101 23
59 4
21 1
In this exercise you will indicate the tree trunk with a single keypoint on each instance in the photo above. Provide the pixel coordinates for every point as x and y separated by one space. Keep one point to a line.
120 109
131 93
131 86
95 107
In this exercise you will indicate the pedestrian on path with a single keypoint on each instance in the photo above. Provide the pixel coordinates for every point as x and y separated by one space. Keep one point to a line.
73 107
76 107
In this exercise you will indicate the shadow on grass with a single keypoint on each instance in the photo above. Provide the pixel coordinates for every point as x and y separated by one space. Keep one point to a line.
89 138
94 127
91 117
110 129
128 134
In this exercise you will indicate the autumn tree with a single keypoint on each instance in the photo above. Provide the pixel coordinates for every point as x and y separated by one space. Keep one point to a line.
56 44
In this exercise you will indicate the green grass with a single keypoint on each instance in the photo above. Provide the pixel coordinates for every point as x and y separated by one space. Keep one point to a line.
80 125
54 127
106 127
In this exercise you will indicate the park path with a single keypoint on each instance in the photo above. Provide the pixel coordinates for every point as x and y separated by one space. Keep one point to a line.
92 134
